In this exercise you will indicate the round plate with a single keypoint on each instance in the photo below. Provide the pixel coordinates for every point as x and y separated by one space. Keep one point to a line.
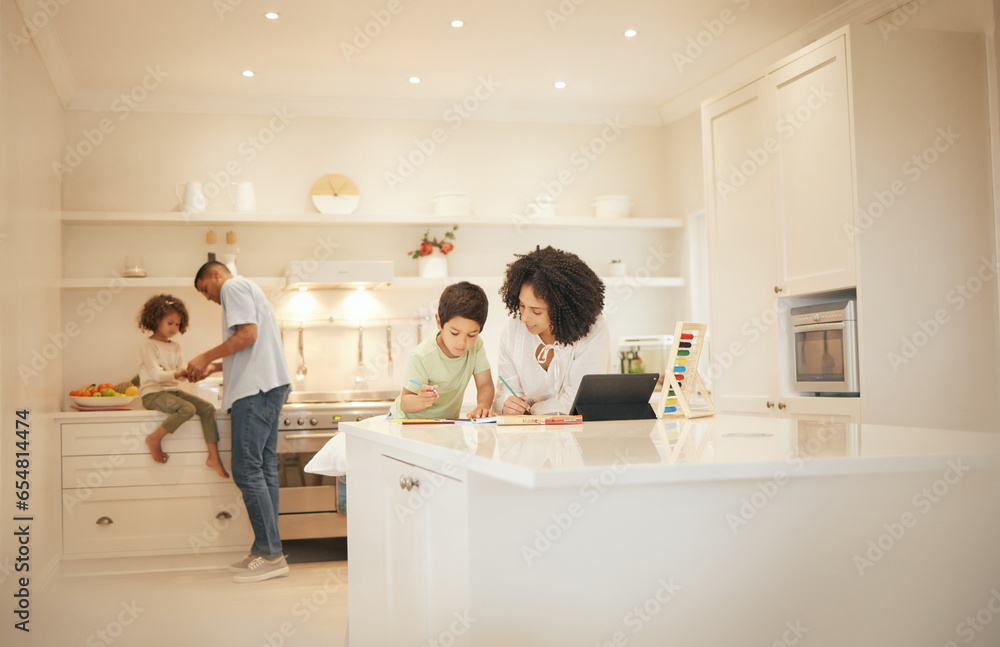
103 402
335 194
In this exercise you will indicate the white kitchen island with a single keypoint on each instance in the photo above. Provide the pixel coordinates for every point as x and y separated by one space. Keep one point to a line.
725 531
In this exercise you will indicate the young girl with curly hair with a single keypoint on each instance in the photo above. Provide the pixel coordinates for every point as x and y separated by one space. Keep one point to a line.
557 333
161 365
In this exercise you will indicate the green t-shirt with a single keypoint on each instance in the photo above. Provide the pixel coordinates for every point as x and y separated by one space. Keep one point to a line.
429 365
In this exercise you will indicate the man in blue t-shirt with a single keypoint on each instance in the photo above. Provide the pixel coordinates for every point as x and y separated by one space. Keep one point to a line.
257 383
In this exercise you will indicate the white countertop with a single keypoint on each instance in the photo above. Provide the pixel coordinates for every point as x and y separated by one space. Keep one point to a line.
721 448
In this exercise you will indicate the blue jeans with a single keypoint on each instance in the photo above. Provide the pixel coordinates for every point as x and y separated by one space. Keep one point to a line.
255 464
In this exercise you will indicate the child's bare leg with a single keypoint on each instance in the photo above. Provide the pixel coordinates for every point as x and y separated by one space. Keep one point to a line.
153 442
214 461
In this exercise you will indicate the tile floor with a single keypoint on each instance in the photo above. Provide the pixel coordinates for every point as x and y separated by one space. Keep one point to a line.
308 607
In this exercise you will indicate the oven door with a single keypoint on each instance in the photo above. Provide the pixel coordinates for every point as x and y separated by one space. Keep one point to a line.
825 358
307 503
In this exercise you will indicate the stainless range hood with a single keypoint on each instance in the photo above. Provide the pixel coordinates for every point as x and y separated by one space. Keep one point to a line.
356 275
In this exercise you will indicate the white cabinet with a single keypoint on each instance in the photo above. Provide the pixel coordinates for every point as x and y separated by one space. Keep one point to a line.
426 580
410 563
742 249
858 165
813 172
117 501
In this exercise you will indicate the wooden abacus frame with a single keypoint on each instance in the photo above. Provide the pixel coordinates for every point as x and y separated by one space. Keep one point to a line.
682 377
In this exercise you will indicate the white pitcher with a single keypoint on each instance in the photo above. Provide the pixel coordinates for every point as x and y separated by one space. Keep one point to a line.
244 199
193 199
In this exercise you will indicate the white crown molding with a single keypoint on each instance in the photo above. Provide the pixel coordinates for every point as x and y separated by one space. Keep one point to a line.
159 101
852 11
49 48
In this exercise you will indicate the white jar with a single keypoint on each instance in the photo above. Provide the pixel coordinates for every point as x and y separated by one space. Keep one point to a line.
613 206
452 203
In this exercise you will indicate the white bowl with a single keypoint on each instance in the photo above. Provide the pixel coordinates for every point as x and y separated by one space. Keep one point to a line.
613 206
103 402
452 203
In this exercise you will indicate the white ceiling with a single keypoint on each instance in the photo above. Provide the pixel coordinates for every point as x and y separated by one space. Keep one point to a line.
101 48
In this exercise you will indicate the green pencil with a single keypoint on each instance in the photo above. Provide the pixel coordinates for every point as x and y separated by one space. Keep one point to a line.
508 386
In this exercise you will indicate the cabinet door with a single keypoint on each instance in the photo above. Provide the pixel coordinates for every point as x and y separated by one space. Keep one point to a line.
814 171
737 133
426 554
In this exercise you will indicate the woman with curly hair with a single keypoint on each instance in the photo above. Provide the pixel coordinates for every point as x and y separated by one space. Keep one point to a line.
557 333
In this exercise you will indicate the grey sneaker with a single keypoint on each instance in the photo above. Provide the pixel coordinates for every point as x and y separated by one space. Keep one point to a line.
241 565
260 569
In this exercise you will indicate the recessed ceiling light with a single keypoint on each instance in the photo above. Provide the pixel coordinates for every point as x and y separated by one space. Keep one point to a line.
560 84
457 23
302 288
248 73
629 33
270 15
414 79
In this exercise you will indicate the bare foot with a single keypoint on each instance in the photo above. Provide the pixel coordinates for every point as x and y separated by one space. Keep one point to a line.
153 442
215 463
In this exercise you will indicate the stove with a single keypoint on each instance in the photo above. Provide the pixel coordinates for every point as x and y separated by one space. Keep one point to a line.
309 504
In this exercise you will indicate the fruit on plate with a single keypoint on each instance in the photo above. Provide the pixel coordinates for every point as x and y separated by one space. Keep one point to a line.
123 387
132 390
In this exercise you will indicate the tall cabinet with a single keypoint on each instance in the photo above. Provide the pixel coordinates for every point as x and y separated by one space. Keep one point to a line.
858 166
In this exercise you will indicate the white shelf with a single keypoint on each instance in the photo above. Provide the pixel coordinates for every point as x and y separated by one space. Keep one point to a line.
138 218
154 282
397 282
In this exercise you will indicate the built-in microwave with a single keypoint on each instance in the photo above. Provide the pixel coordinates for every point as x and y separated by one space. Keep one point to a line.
825 349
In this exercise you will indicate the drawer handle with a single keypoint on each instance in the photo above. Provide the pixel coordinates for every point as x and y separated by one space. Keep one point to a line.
223 515
781 405
769 404
104 521
407 483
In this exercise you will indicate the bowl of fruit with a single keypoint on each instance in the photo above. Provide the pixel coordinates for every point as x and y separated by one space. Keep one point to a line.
105 395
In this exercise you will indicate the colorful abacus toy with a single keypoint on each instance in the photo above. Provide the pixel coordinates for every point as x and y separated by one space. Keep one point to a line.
682 374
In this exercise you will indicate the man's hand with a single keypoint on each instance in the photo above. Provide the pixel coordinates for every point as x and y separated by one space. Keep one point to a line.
197 368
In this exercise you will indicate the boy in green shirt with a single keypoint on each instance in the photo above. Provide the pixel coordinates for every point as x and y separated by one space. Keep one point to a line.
440 367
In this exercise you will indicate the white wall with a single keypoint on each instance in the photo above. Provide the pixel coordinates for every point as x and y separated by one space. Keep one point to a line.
138 163
29 305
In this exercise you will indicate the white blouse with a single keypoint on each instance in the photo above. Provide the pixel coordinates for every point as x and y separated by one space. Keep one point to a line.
552 390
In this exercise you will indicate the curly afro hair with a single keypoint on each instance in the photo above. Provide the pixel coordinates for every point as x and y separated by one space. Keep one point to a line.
573 291
158 307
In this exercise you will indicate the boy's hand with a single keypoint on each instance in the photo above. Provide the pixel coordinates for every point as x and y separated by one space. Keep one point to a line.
427 395
516 406
481 412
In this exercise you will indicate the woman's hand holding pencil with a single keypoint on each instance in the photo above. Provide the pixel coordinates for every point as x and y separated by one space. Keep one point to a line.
516 405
